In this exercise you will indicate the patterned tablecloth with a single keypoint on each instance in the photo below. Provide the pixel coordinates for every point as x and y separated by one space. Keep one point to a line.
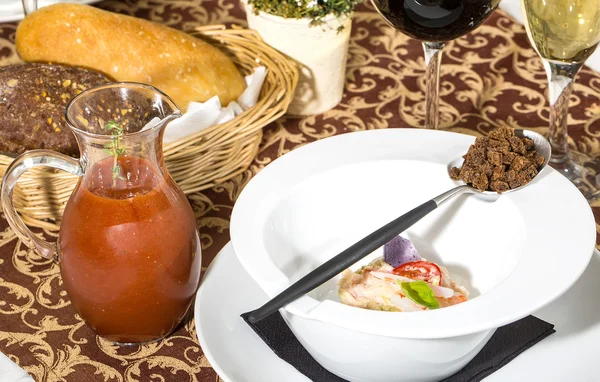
489 77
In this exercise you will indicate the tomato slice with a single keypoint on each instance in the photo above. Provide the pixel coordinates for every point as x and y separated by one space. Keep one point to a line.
420 270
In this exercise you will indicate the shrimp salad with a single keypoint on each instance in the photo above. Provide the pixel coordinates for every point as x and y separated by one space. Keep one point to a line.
400 281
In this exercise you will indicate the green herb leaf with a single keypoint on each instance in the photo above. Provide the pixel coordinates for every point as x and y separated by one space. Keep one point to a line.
419 292
113 127
115 149
314 10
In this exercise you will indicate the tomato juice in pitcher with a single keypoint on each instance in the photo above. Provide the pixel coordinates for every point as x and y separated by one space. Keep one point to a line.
128 248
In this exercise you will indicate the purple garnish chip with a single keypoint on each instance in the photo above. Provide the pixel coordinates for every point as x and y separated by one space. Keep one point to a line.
399 251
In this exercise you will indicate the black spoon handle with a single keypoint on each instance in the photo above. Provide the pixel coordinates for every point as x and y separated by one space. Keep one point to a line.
345 259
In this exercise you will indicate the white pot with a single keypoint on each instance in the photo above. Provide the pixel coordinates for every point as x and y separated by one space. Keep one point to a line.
320 52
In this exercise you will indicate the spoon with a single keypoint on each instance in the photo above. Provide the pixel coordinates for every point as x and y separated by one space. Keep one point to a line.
371 242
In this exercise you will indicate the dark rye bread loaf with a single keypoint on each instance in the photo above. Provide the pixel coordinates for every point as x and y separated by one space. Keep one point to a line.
33 98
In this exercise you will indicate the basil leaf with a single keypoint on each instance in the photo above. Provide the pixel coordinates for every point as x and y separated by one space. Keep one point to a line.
419 292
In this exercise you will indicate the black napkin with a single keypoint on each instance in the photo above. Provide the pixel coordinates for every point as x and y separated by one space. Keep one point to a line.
508 342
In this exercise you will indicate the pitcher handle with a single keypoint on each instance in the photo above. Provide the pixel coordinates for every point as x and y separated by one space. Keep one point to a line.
24 162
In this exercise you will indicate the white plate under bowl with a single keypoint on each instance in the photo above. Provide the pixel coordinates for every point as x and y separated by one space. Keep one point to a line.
239 355
12 10
310 204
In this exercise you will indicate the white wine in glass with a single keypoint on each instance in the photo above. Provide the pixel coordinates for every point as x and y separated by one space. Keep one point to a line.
564 33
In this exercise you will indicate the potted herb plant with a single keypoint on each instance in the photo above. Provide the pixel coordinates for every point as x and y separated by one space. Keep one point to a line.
314 33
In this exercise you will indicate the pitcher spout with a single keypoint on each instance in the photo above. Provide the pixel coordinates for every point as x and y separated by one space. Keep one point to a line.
117 120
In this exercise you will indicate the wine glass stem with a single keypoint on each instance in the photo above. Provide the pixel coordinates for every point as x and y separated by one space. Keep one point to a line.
433 59
560 85
29 6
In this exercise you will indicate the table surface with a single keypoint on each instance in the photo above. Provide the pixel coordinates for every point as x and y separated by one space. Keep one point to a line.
490 77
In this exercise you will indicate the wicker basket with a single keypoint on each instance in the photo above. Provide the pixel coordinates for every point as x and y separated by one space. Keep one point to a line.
200 161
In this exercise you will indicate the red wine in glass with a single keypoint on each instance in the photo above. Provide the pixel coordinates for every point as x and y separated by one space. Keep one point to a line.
434 22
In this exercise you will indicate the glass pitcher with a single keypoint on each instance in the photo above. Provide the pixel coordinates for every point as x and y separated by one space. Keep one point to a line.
128 248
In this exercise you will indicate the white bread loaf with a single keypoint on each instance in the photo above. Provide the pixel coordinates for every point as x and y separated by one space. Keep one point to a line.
129 49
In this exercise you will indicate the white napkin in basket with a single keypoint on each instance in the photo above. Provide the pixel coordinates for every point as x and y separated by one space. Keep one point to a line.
201 115
11 372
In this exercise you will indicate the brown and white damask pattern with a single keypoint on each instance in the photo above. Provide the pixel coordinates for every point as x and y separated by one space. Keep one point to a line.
489 78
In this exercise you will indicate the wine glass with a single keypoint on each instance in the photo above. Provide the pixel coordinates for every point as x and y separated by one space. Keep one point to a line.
564 33
29 6
434 22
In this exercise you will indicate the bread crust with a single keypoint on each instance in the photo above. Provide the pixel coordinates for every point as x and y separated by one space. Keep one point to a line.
33 98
